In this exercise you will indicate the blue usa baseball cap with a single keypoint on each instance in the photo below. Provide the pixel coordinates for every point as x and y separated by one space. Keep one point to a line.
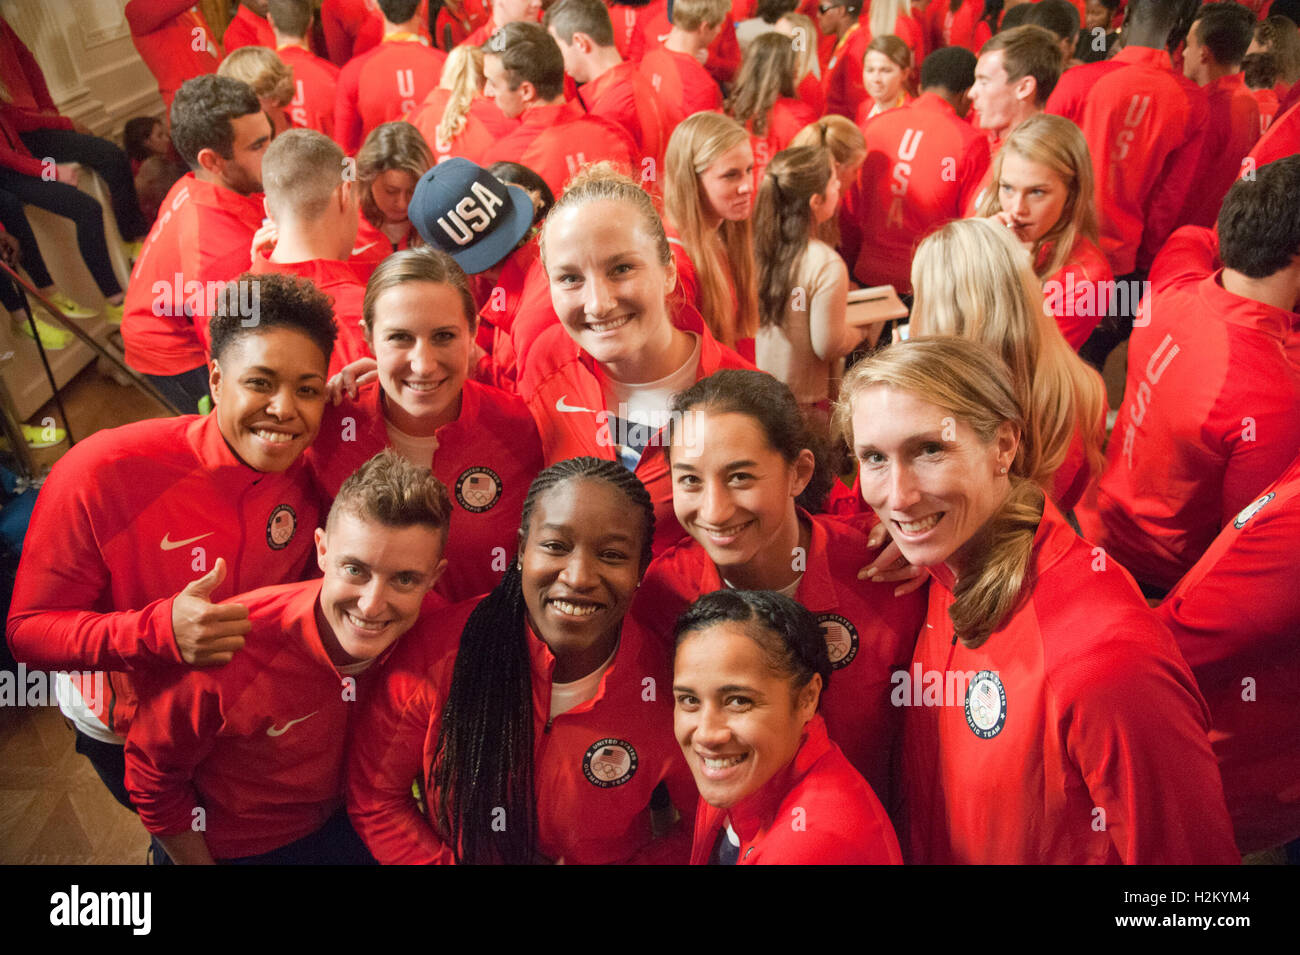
462 209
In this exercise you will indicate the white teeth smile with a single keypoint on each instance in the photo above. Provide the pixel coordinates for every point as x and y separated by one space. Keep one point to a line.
422 385
361 624
574 610
731 531
921 526
610 325
275 437
726 763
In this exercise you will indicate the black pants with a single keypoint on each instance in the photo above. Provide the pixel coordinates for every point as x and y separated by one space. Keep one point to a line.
107 159
335 843
185 390
14 218
1116 327
70 203
109 760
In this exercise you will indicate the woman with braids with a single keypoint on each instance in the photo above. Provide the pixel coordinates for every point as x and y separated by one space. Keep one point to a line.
741 459
600 380
763 99
803 284
708 198
455 119
749 673
1048 715
537 719
389 164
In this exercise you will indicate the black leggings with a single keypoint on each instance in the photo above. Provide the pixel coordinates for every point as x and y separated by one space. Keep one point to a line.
64 145
15 222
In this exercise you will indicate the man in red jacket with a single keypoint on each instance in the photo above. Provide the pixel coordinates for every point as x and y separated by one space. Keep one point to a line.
146 531
608 86
389 81
201 238
683 85
174 41
244 763
555 138
315 81
1216 45
924 165
1145 127
1212 405
248 27
843 71
314 208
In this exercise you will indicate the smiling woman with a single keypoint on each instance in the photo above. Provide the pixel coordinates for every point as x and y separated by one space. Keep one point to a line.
1072 686
600 383
419 321
749 672
524 713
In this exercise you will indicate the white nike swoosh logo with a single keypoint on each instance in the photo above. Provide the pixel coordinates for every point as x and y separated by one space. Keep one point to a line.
561 406
361 248
281 730
167 544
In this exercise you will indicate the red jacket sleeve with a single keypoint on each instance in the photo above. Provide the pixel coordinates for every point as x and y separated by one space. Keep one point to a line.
1136 727
387 757
1172 185
172 733
975 165
57 618
347 118
1190 254
145 16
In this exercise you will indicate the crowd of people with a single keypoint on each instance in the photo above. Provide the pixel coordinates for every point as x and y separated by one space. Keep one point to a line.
569 495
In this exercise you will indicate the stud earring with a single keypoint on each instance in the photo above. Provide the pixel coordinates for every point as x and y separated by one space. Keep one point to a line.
1002 470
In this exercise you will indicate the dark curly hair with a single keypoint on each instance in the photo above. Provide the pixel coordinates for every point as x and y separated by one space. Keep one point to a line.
201 115
252 304
1259 222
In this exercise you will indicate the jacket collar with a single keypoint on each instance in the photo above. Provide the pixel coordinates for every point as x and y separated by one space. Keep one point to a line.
209 445
754 814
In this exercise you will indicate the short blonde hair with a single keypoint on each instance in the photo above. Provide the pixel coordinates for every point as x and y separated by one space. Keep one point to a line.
390 490
690 15
263 70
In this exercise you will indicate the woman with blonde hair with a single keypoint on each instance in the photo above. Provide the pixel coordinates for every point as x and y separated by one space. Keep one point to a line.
270 78
803 284
973 281
389 164
1064 700
763 99
708 198
848 149
895 18
454 118
1042 192
886 76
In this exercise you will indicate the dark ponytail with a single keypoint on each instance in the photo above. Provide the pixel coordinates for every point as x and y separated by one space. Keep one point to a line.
480 791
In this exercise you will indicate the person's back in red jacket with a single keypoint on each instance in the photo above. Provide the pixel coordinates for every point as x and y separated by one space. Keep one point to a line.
1216 44
384 83
248 27
351 27
923 165
174 41
315 80
1248 664
1212 405
1145 126
673 61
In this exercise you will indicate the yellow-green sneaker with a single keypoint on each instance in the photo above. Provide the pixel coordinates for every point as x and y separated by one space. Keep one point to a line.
113 313
37 437
69 306
52 338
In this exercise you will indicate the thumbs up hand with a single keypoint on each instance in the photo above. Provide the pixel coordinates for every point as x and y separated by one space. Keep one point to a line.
208 634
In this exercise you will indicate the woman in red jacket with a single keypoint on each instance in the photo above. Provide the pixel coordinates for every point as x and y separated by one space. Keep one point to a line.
537 719
1048 715
764 99
748 675
740 456
1041 191
389 164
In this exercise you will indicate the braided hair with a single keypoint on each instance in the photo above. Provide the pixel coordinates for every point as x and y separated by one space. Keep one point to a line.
482 765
